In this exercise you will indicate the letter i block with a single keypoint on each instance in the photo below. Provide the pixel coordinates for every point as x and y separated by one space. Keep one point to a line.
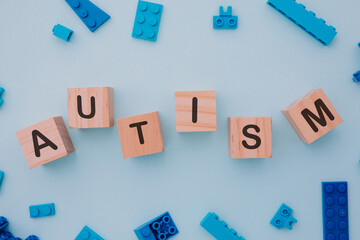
250 137
140 135
45 141
312 116
91 107
195 111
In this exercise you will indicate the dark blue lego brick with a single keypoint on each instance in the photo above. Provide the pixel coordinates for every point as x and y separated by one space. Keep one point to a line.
87 234
305 19
335 210
62 32
147 20
42 210
1 175
3 224
32 237
160 228
6 235
283 218
356 76
91 15
225 20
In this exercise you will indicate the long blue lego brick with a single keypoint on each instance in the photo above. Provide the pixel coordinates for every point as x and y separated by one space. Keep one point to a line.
335 210
1 177
218 228
42 210
87 234
305 19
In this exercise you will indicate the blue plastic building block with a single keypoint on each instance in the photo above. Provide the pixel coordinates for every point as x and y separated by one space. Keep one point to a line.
283 218
3 224
305 19
225 20
160 228
356 77
6 235
62 32
147 20
91 15
1 92
335 210
42 210
1 177
88 234
219 228
32 237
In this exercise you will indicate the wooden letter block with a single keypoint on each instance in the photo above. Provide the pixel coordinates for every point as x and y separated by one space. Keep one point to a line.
250 137
140 135
45 141
91 107
312 116
195 111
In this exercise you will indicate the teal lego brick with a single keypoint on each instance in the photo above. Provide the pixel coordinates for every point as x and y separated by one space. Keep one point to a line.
283 218
42 210
1 177
88 234
62 32
2 90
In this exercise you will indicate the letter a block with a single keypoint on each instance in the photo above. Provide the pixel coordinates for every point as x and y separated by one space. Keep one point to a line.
195 111
91 107
250 137
45 141
140 135
312 116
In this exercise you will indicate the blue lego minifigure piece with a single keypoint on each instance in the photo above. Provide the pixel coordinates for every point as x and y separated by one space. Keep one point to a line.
3 224
225 20
356 77
283 218
1 177
305 19
218 228
91 15
62 32
335 210
160 228
2 90
147 21
86 233
42 210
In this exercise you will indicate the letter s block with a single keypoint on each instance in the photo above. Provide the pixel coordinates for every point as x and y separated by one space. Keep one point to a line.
250 137
140 135
91 107
45 141
312 116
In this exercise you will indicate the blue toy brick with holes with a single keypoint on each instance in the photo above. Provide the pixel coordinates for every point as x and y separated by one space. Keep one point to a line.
62 32
283 218
305 19
225 20
160 228
2 90
147 21
87 233
335 210
91 15
42 210
219 228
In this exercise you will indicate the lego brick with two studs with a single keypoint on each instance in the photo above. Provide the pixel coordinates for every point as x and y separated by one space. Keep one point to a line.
225 20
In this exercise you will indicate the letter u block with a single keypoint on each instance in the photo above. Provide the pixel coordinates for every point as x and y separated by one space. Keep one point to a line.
312 115
91 107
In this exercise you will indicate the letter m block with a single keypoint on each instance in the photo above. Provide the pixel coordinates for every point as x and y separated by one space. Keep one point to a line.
312 116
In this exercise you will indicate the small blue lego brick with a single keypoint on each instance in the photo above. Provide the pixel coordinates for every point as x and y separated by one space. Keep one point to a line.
1 177
219 228
283 218
91 15
225 20
1 92
356 77
4 223
147 21
32 237
305 19
42 210
6 235
62 32
87 233
160 228
335 210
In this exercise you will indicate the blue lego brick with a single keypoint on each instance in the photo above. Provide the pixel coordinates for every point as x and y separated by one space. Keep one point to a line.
32 237
219 228
62 32
4 223
87 233
1 177
91 15
283 218
160 228
42 210
305 19
2 90
225 20
356 77
335 210
147 20
6 235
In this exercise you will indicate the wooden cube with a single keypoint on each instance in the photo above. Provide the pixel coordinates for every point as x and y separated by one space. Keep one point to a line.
140 135
91 107
312 115
45 141
250 137
195 111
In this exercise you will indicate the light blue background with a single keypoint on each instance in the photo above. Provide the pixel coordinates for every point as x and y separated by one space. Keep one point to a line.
256 70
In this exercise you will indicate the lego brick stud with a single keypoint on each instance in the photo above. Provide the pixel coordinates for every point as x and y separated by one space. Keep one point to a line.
250 137
45 141
91 107
225 20
62 32
2 90
195 111
43 210
312 116
140 135
88 234
283 218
